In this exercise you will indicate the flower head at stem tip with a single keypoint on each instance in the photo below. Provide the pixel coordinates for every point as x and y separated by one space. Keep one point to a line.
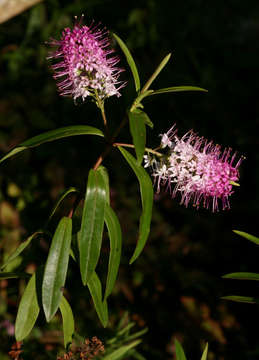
84 66
196 169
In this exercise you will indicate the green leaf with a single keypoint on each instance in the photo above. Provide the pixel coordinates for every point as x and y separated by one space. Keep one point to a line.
156 73
179 351
59 201
114 231
205 352
28 310
117 354
247 236
13 275
95 288
54 135
56 268
177 89
91 232
130 61
242 276
137 102
138 132
20 249
68 321
104 173
244 299
146 191
147 120
137 334
136 355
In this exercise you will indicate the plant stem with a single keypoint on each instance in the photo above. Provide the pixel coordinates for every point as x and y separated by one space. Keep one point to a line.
110 143
104 117
132 146
100 105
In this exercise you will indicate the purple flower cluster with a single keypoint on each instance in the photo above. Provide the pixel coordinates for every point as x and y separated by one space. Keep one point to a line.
196 168
85 67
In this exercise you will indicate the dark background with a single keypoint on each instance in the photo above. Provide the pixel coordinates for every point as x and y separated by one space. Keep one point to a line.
175 286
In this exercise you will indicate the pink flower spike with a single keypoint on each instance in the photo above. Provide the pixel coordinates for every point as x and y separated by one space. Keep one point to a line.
84 66
196 169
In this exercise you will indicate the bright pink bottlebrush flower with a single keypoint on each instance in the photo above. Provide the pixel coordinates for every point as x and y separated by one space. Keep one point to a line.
85 67
196 169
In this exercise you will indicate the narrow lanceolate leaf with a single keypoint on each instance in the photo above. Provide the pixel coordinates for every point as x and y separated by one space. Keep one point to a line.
137 334
177 89
117 354
179 351
156 73
68 321
13 275
28 310
54 135
91 232
244 299
95 288
56 268
247 236
205 352
138 132
20 249
114 231
146 192
242 276
59 201
130 61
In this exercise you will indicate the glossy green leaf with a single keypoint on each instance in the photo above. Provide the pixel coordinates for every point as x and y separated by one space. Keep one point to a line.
138 132
130 61
20 249
54 135
180 355
205 352
244 299
119 353
28 310
115 236
91 232
242 276
146 191
13 275
104 173
177 89
247 236
156 73
95 288
56 268
68 321
59 201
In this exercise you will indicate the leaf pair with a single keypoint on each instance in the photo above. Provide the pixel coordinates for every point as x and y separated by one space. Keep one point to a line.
96 212
243 275
45 289
29 309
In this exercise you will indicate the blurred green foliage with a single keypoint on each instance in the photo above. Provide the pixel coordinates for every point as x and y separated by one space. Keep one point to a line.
174 288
